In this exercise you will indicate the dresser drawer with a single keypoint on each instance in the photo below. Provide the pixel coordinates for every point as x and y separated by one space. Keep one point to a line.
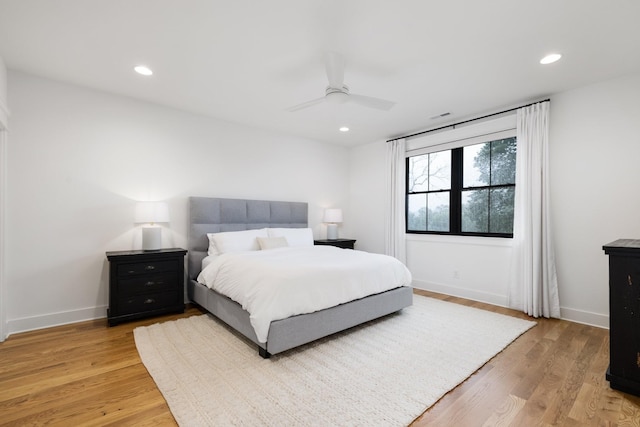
135 268
148 283
148 302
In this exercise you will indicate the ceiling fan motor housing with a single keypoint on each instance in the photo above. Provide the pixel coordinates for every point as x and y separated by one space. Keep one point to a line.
337 95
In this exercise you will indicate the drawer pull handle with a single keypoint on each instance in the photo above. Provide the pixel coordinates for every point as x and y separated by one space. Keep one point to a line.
152 283
150 267
149 301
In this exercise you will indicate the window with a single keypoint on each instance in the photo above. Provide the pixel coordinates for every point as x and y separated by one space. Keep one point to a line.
467 190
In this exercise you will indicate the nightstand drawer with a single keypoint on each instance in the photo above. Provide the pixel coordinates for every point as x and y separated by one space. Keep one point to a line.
148 283
149 302
132 269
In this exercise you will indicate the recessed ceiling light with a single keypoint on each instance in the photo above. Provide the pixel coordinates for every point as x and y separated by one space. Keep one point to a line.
344 129
144 70
549 59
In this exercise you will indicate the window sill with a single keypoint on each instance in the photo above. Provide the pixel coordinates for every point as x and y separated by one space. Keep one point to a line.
460 240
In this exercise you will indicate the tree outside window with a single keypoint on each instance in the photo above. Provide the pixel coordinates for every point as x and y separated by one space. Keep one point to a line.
467 190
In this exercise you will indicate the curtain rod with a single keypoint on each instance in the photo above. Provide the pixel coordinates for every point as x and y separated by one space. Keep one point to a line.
467 121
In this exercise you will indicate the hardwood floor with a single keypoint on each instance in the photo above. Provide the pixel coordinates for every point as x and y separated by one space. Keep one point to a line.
90 374
82 374
553 375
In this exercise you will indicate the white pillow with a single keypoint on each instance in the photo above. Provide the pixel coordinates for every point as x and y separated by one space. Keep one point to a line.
272 242
294 236
235 241
208 260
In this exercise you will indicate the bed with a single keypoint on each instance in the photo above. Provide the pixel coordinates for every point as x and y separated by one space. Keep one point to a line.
216 215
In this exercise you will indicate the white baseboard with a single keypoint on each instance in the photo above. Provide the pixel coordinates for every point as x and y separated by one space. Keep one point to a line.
572 315
63 318
472 294
585 317
25 324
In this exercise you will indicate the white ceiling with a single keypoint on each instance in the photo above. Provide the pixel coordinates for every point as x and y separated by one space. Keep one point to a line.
247 61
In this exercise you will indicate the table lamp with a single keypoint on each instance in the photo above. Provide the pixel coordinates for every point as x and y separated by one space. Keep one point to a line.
150 214
332 217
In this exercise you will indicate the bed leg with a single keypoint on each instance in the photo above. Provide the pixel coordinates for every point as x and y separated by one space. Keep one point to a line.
264 353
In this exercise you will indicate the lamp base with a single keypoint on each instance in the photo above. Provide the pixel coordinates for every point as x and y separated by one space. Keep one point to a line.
332 231
151 238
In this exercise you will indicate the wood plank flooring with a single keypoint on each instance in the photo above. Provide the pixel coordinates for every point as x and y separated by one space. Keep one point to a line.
88 374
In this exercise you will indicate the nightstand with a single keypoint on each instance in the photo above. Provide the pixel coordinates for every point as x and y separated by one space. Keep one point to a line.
340 243
145 283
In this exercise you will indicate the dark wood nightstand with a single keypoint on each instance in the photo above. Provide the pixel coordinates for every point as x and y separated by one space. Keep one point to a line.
340 243
145 283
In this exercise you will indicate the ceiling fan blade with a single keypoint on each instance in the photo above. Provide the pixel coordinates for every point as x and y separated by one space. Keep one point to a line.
334 63
305 104
368 101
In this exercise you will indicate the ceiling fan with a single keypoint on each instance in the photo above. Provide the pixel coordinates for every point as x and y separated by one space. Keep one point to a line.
337 92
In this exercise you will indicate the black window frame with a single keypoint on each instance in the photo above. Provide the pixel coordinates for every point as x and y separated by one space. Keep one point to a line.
455 196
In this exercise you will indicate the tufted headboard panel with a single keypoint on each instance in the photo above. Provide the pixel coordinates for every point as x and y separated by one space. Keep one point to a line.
212 215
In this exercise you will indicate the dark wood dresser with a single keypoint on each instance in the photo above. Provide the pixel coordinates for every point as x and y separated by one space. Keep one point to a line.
624 315
145 283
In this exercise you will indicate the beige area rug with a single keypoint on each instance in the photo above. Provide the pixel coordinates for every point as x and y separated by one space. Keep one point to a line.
386 372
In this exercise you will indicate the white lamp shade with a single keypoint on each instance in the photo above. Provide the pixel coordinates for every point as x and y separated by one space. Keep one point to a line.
152 212
332 215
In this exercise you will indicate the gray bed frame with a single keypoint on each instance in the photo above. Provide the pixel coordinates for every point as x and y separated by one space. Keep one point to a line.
211 215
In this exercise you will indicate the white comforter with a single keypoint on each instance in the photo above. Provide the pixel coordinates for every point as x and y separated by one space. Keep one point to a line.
279 283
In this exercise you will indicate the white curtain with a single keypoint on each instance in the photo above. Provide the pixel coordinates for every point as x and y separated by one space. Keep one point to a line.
395 218
534 284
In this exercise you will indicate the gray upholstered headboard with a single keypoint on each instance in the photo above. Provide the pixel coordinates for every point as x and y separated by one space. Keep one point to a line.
212 215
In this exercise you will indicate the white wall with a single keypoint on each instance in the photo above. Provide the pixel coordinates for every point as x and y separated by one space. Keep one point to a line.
3 90
594 148
3 190
77 161
367 196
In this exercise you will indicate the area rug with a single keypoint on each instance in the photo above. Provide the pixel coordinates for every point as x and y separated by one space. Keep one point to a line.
386 372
